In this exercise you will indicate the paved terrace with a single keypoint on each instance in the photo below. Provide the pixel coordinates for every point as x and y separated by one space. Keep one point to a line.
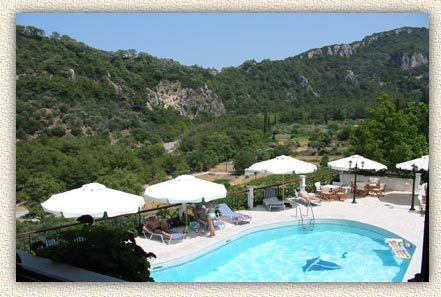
390 212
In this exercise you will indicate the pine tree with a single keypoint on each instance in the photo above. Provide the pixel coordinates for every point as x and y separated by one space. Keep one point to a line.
265 122
269 123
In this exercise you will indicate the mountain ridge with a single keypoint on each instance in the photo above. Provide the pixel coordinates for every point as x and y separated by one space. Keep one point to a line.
79 90
346 50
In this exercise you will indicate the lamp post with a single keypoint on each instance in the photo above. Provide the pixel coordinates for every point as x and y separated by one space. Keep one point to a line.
414 170
355 178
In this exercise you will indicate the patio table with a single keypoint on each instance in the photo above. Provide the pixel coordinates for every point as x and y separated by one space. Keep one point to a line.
331 187
370 187
362 189
329 192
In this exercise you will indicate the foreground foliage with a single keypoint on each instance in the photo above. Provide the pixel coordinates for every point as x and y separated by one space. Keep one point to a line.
107 251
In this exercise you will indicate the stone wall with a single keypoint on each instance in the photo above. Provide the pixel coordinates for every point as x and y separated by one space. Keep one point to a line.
392 183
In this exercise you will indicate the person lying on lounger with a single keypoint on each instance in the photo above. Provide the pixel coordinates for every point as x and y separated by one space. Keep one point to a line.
156 226
308 196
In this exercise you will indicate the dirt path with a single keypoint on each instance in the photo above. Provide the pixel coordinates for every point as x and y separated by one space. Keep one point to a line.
20 210
235 180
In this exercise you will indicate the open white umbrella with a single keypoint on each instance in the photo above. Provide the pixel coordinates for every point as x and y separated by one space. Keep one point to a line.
420 163
185 189
283 165
356 162
93 199
414 165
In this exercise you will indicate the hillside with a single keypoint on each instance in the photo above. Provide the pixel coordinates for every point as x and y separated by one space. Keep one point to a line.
340 79
65 87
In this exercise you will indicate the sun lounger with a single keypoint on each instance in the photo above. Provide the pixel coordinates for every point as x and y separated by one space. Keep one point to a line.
269 194
217 223
273 203
49 242
165 239
307 198
235 217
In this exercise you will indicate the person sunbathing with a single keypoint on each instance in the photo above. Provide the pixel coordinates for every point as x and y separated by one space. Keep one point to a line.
156 226
308 196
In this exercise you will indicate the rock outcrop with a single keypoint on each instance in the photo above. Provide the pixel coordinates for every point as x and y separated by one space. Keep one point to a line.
72 74
187 101
347 50
350 77
117 87
304 83
415 60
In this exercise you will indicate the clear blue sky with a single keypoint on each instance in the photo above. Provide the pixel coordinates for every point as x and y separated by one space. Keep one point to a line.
218 39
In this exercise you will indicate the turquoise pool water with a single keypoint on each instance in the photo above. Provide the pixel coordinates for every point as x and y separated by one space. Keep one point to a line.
329 253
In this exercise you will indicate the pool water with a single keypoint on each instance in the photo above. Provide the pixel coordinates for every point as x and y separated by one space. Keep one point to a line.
329 253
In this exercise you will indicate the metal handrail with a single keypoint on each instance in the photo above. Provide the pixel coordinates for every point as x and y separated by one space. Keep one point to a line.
96 220
164 207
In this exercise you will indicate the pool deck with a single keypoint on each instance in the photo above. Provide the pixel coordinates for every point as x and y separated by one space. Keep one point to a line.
390 212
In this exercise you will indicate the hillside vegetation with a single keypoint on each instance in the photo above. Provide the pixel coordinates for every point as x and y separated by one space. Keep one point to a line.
65 87
86 115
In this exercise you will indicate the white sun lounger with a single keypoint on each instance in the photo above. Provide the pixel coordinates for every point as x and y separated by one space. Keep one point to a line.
149 233
235 217
305 198
273 203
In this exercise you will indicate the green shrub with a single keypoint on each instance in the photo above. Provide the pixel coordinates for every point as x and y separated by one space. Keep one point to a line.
110 252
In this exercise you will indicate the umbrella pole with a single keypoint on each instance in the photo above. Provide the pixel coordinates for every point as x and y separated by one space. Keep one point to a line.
355 185
186 218
283 188
412 206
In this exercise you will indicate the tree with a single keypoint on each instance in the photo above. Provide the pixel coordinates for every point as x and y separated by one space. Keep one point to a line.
34 32
39 188
265 122
123 180
389 136
324 161
420 111
55 35
281 149
243 159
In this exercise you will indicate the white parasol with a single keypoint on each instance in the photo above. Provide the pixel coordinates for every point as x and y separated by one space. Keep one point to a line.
283 165
414 165
93 199
356 162
420 163
185 189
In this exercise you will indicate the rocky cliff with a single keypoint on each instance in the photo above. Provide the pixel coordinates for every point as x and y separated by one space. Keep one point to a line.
406 60
412 61
188 102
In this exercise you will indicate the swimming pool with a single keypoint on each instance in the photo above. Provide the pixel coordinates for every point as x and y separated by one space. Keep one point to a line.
335 251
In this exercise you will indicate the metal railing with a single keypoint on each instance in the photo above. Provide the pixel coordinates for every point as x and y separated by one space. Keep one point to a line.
290 185
307 223
236 200
25 240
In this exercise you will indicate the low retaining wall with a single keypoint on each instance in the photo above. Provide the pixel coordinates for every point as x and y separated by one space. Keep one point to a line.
392 183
